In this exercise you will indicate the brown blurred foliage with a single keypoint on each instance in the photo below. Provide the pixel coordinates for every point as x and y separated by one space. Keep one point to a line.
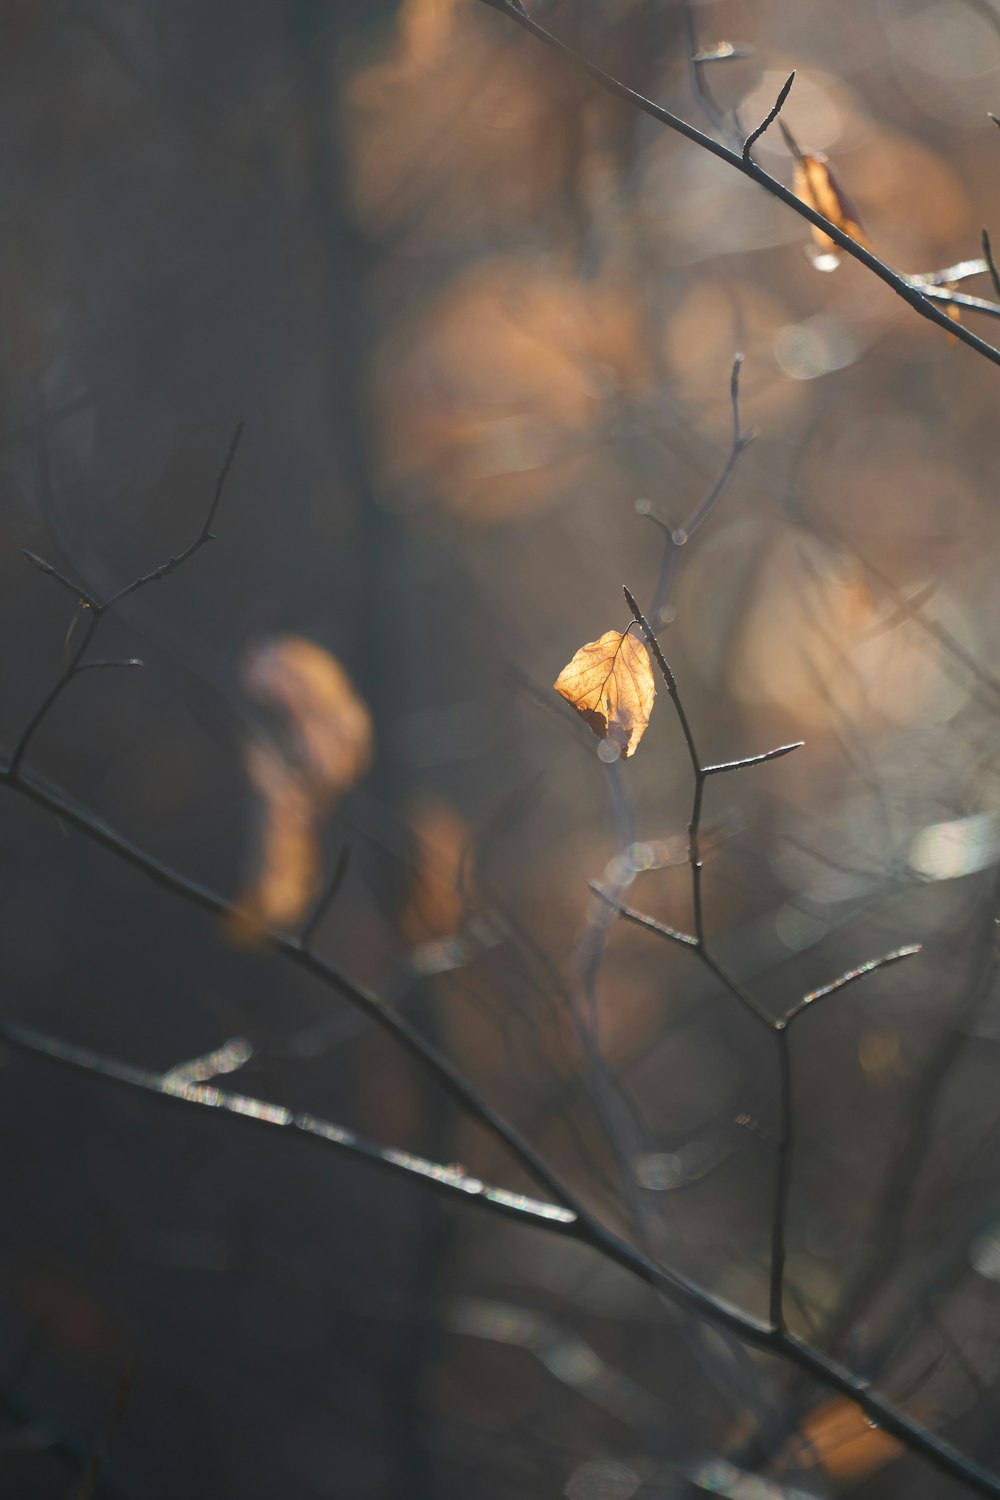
318 745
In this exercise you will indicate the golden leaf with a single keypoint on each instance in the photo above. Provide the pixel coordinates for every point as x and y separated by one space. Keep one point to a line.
610 684
816 185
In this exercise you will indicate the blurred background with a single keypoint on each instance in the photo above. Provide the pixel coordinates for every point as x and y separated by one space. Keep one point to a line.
479 320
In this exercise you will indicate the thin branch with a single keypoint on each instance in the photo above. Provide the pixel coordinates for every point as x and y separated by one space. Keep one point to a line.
93 666
672 934
668 676
752 760
783 1184
849 977
95 611
962 270
204 536
698 60
177 1088
329 895
679 536
51 572
584 1228
903 288
948 297
991 263
92 616
770 117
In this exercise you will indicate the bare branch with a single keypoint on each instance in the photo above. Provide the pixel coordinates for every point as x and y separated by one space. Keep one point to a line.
752 760
771 115
991 263
673 934
326 900
205 534
51 572
899 284
178 1086
128 661
849 977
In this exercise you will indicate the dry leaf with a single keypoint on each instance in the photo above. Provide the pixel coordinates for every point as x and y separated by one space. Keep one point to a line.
816 185
610 683
839 1436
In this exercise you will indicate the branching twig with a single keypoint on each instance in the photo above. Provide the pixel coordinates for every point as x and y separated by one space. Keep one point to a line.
777 1026
94 611
679 536
903 286
565 1213
450 1180
583 1227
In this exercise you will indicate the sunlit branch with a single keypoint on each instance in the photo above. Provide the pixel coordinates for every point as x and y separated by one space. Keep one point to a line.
950 298
752 760
629 913
178 1087
849 977
901 285
584 1228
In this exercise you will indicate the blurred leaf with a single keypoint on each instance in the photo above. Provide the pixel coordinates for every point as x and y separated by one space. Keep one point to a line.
816 185
498 394
435 904
325 730
321 743
610 684
840 1437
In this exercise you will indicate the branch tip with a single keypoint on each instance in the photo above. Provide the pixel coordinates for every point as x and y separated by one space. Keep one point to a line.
770 117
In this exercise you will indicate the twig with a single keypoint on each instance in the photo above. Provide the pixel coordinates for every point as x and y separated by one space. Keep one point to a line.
752 760
584 1228
51 572
991 263
849 977
698 59
173 1086
565 1214
677 537
901 285
770 117
629 913
204 536
94 611
326 900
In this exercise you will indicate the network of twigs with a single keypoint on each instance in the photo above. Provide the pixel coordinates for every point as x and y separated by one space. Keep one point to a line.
560 1211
